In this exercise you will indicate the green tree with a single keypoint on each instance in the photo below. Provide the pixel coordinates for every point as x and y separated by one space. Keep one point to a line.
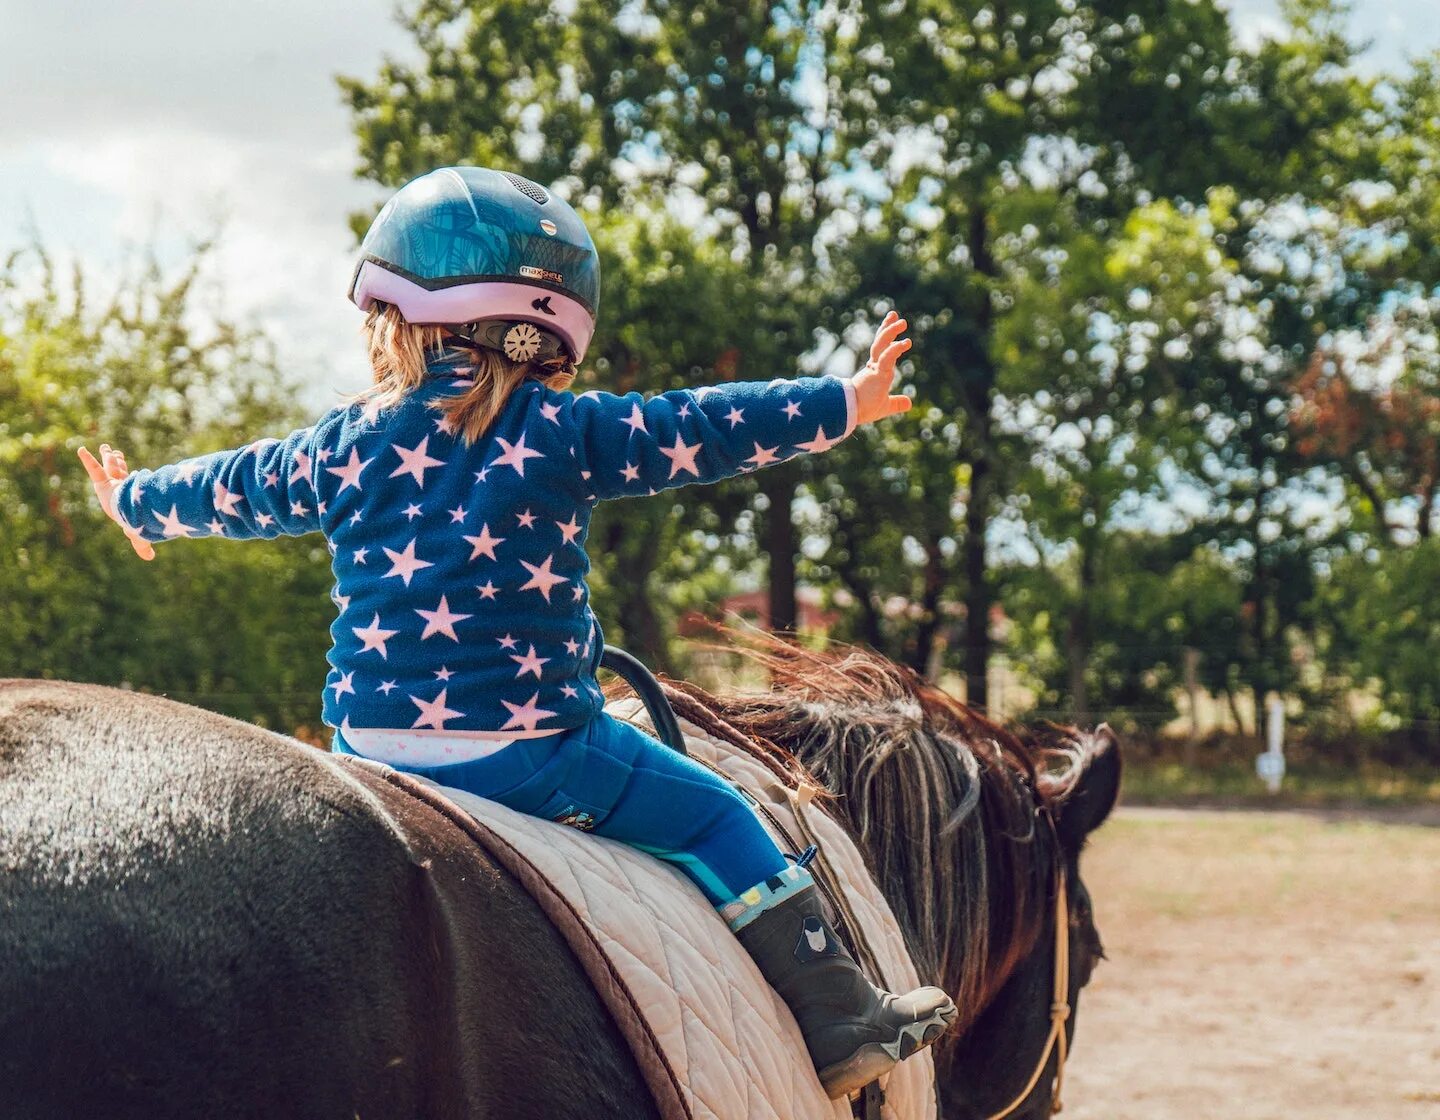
732 110
240 630
1385 629
1012 134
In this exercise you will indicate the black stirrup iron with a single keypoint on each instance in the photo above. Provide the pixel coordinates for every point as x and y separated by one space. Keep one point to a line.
662 716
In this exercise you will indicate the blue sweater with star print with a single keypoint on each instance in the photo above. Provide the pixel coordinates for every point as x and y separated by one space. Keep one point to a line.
460 570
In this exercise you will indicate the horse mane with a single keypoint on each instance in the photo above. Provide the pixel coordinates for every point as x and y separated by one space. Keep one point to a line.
945 804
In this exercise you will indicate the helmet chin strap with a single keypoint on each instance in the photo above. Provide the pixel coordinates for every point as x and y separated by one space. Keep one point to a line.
516 339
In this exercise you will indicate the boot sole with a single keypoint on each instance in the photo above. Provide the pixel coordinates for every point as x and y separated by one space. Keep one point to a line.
874 1059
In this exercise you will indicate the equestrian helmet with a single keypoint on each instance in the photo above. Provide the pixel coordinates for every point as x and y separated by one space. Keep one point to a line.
467 246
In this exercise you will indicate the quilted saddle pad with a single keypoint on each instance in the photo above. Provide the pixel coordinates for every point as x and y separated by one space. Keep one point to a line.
729 1042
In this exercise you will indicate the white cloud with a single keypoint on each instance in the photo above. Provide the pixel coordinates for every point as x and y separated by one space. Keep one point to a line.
284 253
164 118
163 123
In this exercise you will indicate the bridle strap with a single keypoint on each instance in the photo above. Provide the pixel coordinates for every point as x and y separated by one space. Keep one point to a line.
1059 1009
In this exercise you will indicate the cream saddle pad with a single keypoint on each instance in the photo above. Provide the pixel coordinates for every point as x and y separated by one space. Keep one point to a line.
730 1040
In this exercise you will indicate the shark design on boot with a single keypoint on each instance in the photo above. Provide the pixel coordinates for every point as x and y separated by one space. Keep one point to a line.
853 1030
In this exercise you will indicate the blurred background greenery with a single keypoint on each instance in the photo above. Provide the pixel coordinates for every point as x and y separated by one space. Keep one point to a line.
1176 444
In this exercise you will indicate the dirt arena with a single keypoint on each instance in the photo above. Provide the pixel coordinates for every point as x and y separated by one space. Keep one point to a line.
1261 966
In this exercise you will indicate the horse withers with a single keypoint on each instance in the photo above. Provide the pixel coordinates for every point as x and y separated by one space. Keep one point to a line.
200 918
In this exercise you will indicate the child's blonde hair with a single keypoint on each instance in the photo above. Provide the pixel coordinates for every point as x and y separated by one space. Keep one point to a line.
399 352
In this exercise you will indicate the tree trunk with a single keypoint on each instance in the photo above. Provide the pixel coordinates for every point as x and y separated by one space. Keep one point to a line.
1234 709
846 565
1260 602
1078 638
635 600
979 392
1192 690
931 592
977 583
781 543
1077 657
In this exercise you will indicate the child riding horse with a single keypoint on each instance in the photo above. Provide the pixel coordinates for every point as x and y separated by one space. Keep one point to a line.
455 495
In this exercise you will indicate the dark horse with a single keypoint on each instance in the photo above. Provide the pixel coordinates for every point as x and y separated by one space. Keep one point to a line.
202 919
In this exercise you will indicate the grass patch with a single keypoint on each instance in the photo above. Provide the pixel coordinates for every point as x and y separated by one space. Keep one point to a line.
1161 781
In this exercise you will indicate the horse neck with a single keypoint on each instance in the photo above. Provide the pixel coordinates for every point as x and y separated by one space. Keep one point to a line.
954 839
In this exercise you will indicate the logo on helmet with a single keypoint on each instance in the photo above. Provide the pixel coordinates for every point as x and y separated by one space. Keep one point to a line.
548 226
530 272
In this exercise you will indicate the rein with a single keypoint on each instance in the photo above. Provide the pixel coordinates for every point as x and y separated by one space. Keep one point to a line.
1056 1041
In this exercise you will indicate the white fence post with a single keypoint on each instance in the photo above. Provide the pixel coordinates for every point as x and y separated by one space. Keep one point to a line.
1270 765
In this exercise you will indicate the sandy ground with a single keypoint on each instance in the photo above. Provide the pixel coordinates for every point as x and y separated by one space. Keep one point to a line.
1261 966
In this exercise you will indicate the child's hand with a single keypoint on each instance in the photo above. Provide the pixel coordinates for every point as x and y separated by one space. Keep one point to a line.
106 479
873 399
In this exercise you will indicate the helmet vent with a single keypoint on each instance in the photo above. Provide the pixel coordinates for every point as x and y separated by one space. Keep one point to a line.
533 191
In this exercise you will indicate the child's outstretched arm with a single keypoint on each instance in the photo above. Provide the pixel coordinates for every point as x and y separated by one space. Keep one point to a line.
265 489
632 445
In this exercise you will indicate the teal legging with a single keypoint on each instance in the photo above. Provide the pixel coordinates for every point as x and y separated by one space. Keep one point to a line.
612 779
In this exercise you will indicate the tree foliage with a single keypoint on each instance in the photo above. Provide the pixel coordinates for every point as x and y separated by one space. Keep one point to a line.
1174 298
241 630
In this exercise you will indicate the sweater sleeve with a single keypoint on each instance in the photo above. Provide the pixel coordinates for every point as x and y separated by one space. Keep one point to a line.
636 445
266 489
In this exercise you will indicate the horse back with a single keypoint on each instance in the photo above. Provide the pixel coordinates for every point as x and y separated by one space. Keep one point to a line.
203 918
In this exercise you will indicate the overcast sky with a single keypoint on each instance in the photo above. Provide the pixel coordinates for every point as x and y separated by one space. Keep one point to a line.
156 120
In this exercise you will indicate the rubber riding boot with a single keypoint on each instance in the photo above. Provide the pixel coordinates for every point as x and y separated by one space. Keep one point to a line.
853 1030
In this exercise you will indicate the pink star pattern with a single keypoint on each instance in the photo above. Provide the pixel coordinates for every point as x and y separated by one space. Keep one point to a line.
682 457
635 421
415 461
172 526
226 501
515 455
527 715
349 474
569 529
434 713
529 663
441 620
301 470
542 579
763 456
818 444
565 452
484 544
375 637
405 564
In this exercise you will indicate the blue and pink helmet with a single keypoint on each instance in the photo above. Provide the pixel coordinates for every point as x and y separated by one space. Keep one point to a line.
487 253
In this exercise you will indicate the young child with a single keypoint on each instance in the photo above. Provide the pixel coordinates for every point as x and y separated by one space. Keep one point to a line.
455 495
